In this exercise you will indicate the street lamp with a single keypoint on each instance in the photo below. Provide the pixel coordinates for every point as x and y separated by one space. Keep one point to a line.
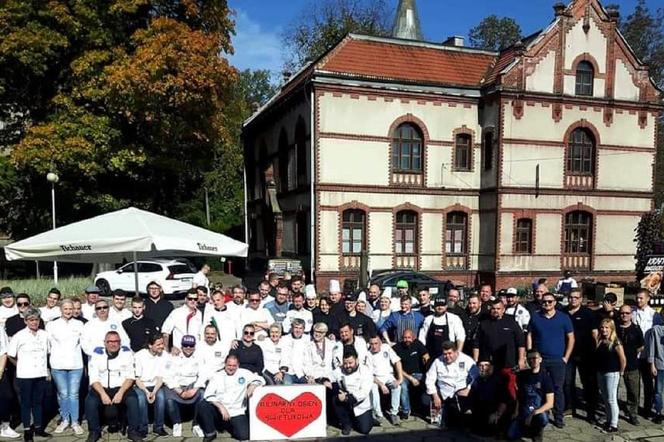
53 178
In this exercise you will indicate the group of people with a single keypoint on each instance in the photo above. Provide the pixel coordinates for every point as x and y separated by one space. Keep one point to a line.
508 365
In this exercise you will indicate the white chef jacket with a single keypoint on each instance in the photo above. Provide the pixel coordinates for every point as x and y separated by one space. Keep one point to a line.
201 280
88 311
359 384
231 390
225 320
454 323
119 315
94 334
247 315
184 371
360 347
293 351
272 354
316 366
64 335
382 363
213 356
30 350
7 313
448 379
303 314
111 373
49 314
150 366
177 326
4 341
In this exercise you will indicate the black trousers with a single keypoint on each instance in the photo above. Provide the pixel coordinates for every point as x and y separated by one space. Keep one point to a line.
210 421
588 376
648 386
362 423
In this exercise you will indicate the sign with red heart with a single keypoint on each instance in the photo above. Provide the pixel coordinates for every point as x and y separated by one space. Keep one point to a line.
292 412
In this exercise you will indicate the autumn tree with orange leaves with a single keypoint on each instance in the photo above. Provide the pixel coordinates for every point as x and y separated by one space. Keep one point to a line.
131 102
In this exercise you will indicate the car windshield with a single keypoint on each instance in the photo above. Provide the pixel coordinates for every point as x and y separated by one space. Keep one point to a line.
178 269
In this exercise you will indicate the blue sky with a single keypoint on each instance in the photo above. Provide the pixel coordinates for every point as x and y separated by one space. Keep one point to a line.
260 23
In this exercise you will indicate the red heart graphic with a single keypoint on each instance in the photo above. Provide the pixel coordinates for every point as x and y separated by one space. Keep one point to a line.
288 417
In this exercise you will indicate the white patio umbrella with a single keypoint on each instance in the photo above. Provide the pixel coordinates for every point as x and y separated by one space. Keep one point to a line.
124 234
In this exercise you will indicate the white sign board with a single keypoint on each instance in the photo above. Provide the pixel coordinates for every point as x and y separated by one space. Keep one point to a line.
287 412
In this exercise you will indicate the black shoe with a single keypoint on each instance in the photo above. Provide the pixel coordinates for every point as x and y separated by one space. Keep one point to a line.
376 422
404 416
160 432
134 437
27 436
210 438
114 428
559 424
657 419
41 433
345 431
633 420
93 436
612 430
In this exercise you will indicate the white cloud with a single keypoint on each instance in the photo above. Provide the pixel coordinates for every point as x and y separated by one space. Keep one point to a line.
255 47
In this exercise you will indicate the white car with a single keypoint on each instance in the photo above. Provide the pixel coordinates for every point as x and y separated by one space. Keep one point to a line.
174 276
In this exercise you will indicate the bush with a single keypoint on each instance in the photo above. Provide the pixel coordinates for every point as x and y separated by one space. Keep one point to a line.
38 288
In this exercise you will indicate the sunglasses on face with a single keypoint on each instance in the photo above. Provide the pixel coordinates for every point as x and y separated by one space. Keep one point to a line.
254 300
548 301
249 333
188 346
23 304
103 307
113 342
192 299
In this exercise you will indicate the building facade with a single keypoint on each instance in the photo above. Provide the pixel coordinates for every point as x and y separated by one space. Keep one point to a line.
465 164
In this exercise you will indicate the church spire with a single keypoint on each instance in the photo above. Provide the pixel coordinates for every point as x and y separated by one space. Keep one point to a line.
407 21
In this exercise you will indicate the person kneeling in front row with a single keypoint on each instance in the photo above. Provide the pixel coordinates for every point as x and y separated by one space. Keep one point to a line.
352 394
225 401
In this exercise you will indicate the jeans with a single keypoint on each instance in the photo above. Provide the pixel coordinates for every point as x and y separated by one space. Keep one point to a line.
347 419
210 419
395 398
173 407
518 428
405 392
659 391
159 409
556 369
68 383
31 396
588 376
93 404
608 385
632 384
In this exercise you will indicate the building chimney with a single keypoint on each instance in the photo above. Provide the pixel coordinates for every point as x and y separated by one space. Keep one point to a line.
407 21
613 13
286 75
455 40
559 9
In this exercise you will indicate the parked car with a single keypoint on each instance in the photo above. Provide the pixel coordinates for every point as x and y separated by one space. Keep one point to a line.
175 276
389 278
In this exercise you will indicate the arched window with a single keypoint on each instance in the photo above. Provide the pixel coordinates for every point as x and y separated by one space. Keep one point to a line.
578 232
523 236
353 232
585 75
407 148
463 152
456 233
405 233
581 152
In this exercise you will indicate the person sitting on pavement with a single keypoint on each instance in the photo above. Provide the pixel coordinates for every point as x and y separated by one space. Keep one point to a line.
490 402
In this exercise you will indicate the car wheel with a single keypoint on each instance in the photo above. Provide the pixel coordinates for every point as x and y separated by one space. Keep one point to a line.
104 287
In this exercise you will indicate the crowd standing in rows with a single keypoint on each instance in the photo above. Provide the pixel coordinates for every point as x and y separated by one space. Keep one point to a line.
509 366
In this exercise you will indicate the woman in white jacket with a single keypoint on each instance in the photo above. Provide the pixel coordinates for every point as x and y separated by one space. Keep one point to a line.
318 356
273 353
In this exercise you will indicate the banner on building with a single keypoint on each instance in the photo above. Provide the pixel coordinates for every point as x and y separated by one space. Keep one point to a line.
654 271
287 412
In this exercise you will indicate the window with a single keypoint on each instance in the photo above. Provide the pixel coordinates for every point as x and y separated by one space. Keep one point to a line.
455 233
584 79
488 151
407 149
301 149
462 152
523 236
352 233
581 153
577 232
405 235
147 267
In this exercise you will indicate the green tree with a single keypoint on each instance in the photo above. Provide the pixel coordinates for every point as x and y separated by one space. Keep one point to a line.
324 22
494 33
129 101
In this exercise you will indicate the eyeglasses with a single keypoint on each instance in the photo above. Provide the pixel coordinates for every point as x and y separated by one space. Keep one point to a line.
188 346
574 297
254 300
114 341
534 358
249 333
192 299
625 313
23 304
101 307
548 301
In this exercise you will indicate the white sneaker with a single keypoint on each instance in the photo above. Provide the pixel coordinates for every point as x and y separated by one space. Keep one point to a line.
177 430
62 427
198 432
78 430
6 431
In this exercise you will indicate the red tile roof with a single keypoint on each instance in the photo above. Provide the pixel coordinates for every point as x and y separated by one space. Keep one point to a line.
394 60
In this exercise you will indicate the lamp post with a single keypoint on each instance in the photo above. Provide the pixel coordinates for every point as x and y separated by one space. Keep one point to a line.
53 178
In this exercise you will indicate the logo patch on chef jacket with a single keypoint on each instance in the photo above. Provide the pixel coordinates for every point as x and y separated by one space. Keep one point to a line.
217 354
241 380
462 365
114 327
385 354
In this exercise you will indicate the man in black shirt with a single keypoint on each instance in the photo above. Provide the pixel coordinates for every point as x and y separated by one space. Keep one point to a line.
249 354
534 401
156 307
608 310
16 323
472 323
361 323
453 307
631 338
414 358
501 340
138 327
583 321
425 307
78 313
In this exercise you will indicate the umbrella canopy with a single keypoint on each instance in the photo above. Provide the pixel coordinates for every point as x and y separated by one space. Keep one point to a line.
124 234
